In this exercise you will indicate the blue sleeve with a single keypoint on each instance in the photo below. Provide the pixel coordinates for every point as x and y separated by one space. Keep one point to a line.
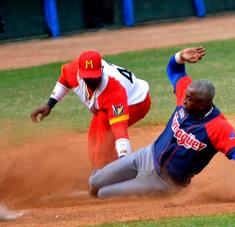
175 71
233 155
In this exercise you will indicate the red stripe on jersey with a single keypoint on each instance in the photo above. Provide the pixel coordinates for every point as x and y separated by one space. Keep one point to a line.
221 139
68 75
181 87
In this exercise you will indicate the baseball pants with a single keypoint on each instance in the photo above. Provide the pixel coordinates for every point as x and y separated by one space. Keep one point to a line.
101 140
130 175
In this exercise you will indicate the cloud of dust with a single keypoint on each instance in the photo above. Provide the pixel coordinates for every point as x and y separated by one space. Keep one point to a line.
42 167
7 214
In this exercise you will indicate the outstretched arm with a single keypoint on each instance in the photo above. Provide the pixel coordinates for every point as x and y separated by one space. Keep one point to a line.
176 67
66 81
58 93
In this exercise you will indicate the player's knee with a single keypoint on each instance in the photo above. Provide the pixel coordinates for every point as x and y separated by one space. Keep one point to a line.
94 182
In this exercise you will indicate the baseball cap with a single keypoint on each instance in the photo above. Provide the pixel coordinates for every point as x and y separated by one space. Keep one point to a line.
90 65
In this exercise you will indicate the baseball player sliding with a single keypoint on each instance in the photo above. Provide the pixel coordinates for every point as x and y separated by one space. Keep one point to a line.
113 94
196 131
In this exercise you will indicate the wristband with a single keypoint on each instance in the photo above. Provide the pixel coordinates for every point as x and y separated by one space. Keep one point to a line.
123 147
178 58
51 102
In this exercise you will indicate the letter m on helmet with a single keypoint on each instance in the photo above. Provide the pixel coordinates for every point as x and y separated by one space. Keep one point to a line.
89 63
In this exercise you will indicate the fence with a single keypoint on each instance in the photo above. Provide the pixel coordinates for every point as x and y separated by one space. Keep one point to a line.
26 18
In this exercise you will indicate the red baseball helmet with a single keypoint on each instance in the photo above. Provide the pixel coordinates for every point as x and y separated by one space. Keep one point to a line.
90 65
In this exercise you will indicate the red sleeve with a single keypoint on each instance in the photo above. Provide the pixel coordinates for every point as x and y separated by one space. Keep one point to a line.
116 103
221 134
120 130
181 87
68 76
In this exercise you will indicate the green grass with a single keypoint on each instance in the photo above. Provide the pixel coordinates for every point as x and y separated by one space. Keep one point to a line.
227 220
22 90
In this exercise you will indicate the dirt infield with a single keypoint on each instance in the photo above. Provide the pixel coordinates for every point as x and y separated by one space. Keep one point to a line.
47 182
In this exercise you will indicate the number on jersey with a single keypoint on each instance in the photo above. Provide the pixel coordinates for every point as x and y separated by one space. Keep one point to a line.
123 71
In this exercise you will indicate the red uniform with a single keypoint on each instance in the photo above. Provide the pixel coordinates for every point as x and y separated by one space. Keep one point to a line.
119 100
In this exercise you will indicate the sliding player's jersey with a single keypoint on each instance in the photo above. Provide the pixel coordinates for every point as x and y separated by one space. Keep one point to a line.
188 144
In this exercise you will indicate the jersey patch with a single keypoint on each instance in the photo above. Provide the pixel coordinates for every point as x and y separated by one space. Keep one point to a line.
232 135
181 113
118 109
185 139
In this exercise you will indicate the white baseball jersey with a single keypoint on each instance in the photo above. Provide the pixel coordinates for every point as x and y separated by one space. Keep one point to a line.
136 89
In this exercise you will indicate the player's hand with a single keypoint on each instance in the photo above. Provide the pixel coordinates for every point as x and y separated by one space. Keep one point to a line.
192 55
123 154
41 112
